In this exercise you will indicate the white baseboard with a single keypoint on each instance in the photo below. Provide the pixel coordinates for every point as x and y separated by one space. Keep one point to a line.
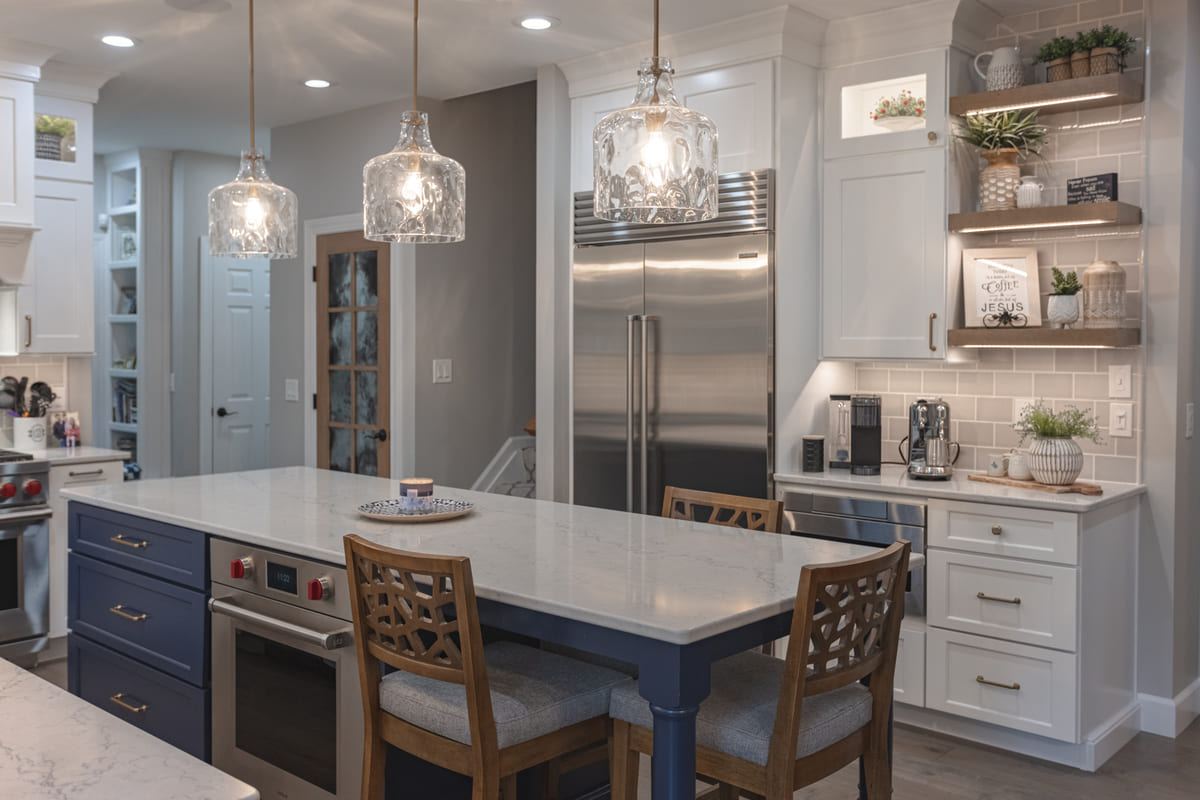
1167 716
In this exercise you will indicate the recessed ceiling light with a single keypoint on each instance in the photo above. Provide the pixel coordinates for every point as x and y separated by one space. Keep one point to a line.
116 40
317 83
537 23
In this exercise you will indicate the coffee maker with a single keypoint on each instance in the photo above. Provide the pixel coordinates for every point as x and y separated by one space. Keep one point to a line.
866 434
929 440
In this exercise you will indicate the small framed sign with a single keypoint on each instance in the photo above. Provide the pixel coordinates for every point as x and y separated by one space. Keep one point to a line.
1000 288
1092 189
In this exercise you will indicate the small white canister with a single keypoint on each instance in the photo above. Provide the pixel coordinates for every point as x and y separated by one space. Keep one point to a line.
29 433
1029 193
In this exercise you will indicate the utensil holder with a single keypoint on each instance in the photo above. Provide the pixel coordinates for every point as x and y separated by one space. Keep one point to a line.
29 433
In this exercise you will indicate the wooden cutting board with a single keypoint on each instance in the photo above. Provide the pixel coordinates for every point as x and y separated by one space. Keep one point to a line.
1074 488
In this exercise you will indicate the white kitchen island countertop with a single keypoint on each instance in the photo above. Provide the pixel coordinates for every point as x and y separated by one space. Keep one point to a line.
666 579
83 454
54 745
895 480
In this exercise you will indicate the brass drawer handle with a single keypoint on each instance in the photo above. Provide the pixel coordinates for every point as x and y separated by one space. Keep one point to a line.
136 544
119 699
1016 601
997 530
1012 687
932 346
136 616
85 473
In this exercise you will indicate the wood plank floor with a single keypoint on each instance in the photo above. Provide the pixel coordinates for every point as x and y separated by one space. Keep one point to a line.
930 766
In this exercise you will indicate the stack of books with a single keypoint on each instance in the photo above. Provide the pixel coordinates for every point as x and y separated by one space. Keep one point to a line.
125 401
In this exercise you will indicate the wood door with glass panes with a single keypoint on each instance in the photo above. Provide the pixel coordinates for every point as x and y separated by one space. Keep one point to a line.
353 356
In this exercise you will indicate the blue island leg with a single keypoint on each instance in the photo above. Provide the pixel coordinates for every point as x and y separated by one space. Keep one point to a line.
675 679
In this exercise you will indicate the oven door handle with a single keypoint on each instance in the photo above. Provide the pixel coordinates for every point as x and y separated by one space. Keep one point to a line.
334 640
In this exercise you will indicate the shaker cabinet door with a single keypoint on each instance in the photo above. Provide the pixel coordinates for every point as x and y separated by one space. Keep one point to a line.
884 256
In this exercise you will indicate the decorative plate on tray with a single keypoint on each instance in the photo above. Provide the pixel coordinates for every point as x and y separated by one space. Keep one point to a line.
393 510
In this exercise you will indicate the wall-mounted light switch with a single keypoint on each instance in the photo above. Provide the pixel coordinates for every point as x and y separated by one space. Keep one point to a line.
1119 381
291 390
443 370
1189 420
1120 420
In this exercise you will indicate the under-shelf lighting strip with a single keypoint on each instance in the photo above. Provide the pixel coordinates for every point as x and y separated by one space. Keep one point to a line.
1032 225
1080 98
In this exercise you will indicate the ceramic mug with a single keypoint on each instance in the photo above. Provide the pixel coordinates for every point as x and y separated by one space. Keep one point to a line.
1018 466
997 465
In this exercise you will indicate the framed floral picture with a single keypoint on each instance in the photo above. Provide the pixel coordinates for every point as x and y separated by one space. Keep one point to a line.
1000 288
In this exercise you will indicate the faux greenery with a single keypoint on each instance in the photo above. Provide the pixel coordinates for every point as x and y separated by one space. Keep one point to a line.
1004 129
1040 421
1108 36
904 105
1056 48
1065 283
1086 40
47 123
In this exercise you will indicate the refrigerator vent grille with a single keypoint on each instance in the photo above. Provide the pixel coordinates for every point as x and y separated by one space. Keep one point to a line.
746 204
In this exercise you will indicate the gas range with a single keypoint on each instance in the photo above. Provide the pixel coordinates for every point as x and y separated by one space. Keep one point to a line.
24 554
23 481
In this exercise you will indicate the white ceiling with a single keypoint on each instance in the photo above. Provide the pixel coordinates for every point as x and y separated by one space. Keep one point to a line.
185 85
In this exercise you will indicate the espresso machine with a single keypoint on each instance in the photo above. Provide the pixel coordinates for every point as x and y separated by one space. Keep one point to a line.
929 440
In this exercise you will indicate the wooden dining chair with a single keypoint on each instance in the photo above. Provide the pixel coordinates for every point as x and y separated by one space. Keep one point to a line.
770 727
487 712
731 510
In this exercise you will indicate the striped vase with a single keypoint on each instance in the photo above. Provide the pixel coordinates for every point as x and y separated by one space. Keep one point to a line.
1055 460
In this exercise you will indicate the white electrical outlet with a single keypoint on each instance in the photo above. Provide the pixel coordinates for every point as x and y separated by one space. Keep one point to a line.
291 390
1189 420
1120 420
443 370
1119 381
1020 404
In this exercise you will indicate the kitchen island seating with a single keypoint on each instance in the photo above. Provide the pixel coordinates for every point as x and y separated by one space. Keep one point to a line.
770 727
731 510
484 712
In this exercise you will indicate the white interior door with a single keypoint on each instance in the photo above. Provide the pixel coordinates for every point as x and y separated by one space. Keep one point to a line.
238 328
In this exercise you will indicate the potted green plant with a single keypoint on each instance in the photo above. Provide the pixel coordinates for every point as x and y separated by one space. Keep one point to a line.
1002 137
1055 458
1111 46
1063 307
1081 65
51 131
1056 55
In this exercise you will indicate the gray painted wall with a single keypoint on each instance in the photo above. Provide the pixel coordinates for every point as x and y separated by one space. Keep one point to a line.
475 299
192 176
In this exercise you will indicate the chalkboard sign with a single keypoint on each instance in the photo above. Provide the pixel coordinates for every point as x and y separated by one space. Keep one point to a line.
1092 189
1000 288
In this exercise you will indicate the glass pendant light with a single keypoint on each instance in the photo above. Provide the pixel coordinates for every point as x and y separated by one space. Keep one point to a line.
414 194
251 216
655 161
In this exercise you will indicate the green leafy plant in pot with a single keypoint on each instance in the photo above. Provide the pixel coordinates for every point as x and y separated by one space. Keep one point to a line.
1055 458
51 131
1110 47
1081 64
1056 55
1062 308
1002 137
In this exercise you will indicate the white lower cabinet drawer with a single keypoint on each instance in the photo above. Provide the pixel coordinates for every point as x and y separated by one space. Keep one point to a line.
1021 601
1026 688
909 686
1032 533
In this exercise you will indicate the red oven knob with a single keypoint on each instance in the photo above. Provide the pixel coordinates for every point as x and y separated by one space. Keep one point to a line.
8 491
241 568
320 589
33 488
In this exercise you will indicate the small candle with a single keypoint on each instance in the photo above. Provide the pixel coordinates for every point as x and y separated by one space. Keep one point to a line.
416 494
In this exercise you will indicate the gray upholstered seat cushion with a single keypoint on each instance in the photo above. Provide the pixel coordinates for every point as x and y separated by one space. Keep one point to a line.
533 693
739 715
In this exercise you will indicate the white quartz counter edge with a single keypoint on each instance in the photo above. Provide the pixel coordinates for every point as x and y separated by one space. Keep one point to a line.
77 455
894 480
55 745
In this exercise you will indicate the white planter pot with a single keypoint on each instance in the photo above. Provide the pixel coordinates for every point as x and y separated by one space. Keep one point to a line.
1062 310
1055 461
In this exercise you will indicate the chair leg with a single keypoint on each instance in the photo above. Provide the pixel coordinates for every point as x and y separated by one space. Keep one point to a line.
508 787
727 791
551 775
623 765
374 767
877 768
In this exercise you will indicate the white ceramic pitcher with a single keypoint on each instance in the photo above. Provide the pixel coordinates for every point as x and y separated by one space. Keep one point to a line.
1004 70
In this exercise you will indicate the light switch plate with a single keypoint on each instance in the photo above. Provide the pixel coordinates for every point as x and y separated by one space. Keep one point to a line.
443 370
291 390
1120 420
1119 381
1189 420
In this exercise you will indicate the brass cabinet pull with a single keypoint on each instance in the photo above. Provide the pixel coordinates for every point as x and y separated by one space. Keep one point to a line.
137 544
932 346
1012 687
135 616
1016 601
119 699
86 472
29 330
997 530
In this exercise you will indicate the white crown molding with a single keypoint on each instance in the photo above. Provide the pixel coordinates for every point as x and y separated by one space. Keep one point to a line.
783 31
908 29
72 81
23 60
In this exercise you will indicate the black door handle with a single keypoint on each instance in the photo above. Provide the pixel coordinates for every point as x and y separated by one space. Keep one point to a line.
221 412
379 435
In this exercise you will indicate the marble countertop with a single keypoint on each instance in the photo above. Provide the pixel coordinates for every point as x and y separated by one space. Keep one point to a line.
666 579
82 454
895 480
54 745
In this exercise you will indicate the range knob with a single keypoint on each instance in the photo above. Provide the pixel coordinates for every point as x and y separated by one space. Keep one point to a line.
241 568
8 491
320 589
33 488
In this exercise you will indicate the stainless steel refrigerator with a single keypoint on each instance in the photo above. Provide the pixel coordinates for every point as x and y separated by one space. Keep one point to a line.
673 353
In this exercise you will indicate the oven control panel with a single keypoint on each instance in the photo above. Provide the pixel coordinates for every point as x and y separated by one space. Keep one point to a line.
288 579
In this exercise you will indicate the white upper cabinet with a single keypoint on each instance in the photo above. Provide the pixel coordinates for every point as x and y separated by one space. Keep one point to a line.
739 99
64 149
16 152
884 256
55 312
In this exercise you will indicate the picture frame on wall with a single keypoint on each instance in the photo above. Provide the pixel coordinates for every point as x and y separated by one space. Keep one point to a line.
1000 288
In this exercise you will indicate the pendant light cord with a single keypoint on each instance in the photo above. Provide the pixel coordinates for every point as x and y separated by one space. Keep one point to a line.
252 145
416 6
655 31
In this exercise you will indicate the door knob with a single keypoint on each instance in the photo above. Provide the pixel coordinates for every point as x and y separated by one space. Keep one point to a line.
221 412
379 435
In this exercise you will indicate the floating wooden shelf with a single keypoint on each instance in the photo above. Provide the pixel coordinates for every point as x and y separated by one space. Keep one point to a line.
1021 219
1075 94
124 427
1045 337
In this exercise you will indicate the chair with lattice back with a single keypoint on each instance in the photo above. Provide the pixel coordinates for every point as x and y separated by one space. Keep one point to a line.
487 712
771 727
731 510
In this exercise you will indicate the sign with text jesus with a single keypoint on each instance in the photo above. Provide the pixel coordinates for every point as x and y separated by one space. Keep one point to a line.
1000 288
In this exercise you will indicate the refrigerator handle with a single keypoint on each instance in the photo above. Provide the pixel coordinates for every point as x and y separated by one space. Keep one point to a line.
629 376
645 420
